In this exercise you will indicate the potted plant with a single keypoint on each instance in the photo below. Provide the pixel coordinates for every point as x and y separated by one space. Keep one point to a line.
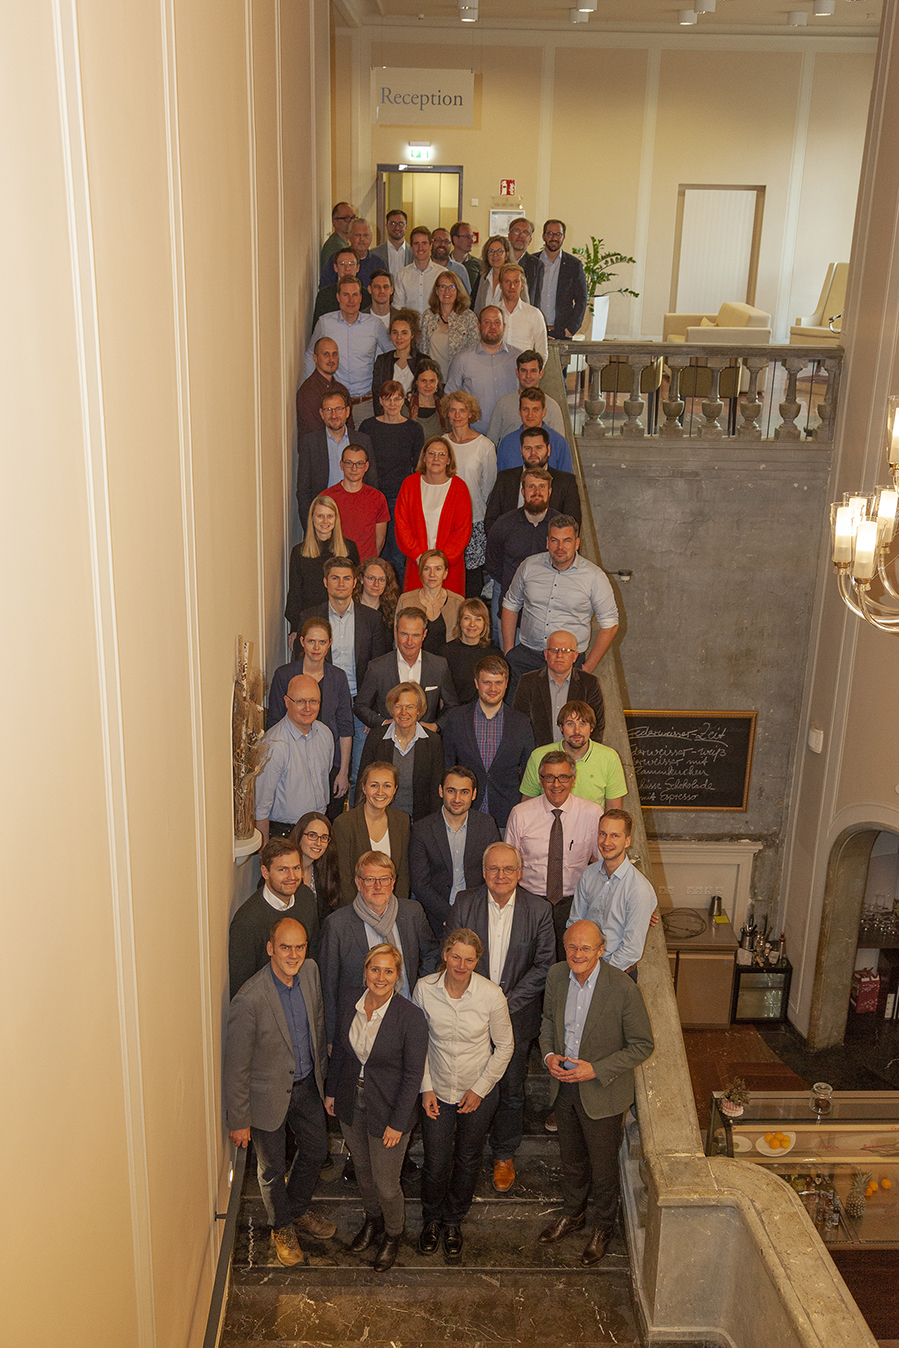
596 269
734 1098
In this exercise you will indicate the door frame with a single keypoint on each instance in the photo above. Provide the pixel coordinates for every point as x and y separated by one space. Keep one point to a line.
408 168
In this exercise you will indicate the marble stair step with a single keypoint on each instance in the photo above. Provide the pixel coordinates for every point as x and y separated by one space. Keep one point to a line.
400 1309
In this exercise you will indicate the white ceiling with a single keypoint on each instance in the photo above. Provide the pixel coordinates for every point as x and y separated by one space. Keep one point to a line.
853 18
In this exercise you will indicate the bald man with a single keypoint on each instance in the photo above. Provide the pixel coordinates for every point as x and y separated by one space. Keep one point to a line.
295 777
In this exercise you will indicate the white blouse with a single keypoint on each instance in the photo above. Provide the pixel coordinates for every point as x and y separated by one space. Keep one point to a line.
476 465
433 495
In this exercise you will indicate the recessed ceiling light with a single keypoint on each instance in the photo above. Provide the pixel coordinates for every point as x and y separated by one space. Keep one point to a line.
686 16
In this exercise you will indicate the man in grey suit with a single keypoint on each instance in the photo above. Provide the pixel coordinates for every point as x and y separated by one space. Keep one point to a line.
516 928
274 1075
407 664
595 1031
376 915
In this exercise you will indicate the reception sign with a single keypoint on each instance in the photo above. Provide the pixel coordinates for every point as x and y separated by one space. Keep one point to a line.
407 97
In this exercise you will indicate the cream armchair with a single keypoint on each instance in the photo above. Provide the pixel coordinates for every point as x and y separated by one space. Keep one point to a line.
815 329
734 322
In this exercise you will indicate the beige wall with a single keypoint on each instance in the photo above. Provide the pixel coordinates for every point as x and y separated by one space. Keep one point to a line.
168 173
601 132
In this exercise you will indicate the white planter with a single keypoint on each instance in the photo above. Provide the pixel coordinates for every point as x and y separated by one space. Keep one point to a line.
600 317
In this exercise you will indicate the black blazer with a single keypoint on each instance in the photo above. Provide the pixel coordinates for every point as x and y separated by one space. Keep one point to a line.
533 700
351 840
371 636
314 469
393 1072
427 766
343 947
383 674
431 866
531 953
381 372
529 264
306 582
571 295
504 496
501 783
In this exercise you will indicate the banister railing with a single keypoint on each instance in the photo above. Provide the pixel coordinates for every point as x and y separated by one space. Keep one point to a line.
707 391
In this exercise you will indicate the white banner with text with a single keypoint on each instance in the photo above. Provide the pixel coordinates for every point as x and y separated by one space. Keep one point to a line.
406 97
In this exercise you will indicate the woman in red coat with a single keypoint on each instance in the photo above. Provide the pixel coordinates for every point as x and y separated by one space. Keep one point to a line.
433 510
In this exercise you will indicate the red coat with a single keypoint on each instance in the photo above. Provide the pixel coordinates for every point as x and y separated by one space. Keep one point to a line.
453 530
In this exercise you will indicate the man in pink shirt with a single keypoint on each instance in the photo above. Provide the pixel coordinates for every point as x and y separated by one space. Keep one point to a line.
556 834
363 510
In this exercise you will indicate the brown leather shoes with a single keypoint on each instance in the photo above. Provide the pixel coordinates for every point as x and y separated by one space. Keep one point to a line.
311 1225
503 1176
287 1247
562 1226
596 1250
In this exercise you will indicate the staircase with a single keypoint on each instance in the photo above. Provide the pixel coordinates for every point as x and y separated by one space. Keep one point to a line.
507 1289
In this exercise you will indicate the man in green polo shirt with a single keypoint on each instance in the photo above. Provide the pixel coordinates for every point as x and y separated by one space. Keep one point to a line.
600 776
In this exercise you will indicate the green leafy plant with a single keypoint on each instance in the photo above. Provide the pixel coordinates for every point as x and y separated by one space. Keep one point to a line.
736 1092
596 268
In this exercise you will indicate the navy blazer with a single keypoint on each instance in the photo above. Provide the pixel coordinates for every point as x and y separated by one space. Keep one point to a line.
336 711
343 947
533 699
571 295
314 467
431 865
382 675
501 783
370 639
504 497
531 953
427 767
393 1072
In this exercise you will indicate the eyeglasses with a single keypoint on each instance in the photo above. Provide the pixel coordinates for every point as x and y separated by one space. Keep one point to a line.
580 949
446 290
561 650
376 881
501 870
556 779
304 701
553 234
344 218
317 837
496 252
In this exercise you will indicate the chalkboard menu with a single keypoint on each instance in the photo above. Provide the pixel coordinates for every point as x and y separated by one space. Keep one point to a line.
692 760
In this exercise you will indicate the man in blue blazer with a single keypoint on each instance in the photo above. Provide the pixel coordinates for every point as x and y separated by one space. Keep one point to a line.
318 454
274 1074
556 267
516 928
492 738
446 849
378 914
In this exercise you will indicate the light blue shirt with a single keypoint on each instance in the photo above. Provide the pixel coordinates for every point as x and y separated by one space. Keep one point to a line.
459 270
620 904
456 838
560 600
508 453
295 778
487 375
358 344
549 286
577 1004
343 643
335 449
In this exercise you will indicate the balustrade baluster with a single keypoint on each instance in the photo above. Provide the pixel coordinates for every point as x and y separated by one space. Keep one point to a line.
791 407
594 427
751 405
673 405
633 404
711 428
827 406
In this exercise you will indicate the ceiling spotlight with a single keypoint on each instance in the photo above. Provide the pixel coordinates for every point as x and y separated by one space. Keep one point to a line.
578 15
705 6
797 18
824 7
686 16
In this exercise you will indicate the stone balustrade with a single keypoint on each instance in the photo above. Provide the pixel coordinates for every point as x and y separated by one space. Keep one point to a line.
707 391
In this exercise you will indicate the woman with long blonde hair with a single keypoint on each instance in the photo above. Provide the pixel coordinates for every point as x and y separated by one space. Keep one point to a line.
324 538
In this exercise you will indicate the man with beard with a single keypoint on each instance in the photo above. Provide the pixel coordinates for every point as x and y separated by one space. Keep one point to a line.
560 286
488 371
508 493
600 776
522 532
442 254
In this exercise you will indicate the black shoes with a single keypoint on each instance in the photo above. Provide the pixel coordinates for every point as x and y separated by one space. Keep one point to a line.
562 1226
410 1167
429 1238
596 1250
452 1242
349 1171
371 1229
387 1253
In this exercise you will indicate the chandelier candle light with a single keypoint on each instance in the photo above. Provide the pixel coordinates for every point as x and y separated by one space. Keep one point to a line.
863 529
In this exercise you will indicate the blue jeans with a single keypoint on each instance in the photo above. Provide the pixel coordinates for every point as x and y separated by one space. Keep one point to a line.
453 1144
287 1199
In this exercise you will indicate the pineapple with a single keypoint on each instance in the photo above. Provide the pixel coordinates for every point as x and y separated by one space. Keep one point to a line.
855 1202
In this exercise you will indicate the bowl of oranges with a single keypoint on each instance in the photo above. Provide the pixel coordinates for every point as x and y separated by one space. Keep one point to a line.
775 1143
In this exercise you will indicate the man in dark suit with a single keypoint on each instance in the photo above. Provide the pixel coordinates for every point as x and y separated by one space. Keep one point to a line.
377 913
564 273
507 490
492 738
542 693
446 849
594 1032
281 894
407 664
516 928
274 1075
326 358
318 454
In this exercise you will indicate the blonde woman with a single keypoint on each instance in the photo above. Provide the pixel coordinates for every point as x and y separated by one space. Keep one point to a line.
324 538
449 324
476 465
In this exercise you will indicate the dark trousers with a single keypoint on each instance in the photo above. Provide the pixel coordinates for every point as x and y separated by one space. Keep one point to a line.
377 1169
561 914
507 1128
286 1199
453 1144
589 1152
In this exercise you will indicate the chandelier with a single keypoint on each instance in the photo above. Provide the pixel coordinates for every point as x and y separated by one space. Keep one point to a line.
862 529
